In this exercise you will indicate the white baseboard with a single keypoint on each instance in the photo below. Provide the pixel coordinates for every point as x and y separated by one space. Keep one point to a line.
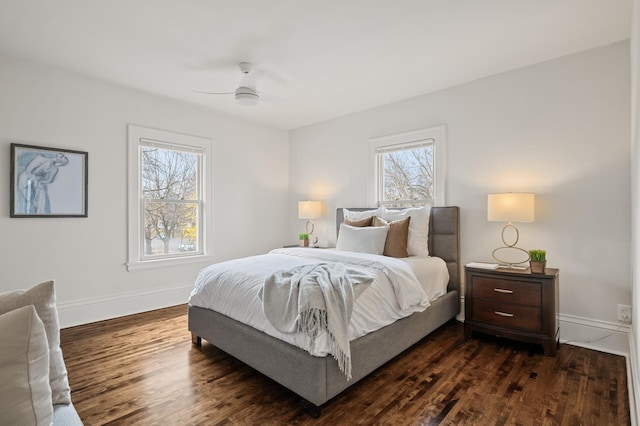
632 379
95 309
460 316
588 333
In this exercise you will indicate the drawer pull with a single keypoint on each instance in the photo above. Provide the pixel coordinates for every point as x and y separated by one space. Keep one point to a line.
502 314
502 290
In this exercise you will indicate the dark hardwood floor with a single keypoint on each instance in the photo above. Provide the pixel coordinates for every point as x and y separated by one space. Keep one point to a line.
143 369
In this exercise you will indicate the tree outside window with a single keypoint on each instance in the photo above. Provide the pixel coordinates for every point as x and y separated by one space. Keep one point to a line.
170 200
407 177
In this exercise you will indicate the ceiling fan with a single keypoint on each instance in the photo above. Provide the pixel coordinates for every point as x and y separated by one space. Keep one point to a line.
247 93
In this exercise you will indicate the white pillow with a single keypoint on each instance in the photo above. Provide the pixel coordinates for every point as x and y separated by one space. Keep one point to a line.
25 394
369 239
418 241
356 215
43 298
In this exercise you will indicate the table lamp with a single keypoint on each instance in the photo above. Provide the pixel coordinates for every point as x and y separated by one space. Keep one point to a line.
510 207
310 210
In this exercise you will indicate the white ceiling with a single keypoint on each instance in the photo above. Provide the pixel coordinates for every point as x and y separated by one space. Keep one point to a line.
323 58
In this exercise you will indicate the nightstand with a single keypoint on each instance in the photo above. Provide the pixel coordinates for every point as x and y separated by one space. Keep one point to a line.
515 304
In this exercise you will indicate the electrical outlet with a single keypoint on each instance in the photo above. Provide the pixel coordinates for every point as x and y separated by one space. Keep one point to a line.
624 313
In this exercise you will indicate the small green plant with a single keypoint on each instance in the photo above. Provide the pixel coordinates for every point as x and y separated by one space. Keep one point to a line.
304 236
538 255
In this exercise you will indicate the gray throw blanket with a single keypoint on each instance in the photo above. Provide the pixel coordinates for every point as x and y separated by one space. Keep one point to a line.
312 299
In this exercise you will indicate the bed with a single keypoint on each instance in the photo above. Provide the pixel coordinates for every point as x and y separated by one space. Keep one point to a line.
318 379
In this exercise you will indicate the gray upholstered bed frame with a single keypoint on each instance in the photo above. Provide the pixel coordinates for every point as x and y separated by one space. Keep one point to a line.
318 379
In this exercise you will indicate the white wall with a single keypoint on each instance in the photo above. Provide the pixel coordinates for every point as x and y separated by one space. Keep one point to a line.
635 208
86 256
559 129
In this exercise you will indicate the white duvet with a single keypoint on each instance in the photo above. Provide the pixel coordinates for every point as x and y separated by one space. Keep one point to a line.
400 288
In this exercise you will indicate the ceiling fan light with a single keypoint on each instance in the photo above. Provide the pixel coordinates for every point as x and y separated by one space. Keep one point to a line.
247 98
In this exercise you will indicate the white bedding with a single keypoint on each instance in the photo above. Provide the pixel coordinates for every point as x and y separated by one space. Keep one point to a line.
401 287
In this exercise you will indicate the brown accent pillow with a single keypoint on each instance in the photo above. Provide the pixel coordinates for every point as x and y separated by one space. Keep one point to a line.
396 243
360 223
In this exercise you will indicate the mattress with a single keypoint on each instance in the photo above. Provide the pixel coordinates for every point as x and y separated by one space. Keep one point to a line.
400 288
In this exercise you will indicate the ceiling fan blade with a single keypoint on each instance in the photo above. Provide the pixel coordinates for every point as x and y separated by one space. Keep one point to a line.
270 99
214 93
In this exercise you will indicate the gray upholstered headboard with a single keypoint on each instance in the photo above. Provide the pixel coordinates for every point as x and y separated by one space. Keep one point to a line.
444 238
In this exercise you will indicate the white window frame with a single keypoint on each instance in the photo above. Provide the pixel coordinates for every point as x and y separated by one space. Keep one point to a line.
435 135
138 137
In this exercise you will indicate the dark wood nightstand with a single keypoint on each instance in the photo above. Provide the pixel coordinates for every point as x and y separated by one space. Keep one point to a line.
513 303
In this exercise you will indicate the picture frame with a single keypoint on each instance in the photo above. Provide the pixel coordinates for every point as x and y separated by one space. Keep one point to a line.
48 182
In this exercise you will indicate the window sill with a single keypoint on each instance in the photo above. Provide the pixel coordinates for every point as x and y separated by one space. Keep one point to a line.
160 263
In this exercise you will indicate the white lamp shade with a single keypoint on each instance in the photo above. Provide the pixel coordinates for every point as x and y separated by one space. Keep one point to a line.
309 209
511 207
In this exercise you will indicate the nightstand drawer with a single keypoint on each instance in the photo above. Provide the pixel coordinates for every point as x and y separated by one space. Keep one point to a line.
507 291
508 316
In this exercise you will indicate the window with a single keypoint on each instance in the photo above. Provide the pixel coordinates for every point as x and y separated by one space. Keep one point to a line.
168 220
408 169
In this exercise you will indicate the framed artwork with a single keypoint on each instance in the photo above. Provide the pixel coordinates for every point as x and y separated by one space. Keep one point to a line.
48 182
